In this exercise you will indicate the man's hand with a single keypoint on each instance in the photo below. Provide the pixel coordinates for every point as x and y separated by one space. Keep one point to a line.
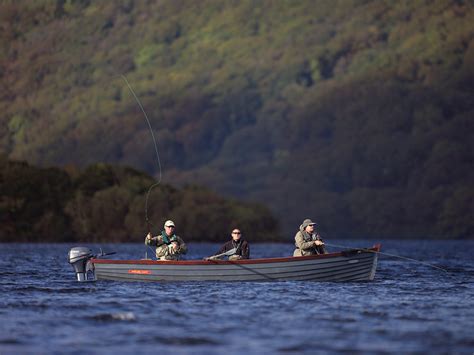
148 236
318 242
175 246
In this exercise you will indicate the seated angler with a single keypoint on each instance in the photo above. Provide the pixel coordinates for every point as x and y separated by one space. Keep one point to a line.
307 241
241 246
169 246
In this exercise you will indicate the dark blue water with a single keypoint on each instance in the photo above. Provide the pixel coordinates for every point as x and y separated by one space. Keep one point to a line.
409 307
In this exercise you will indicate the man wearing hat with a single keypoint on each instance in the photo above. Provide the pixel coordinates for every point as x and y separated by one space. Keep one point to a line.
307 241
169 246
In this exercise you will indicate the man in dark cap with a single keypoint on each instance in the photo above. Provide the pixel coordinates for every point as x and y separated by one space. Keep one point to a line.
307 241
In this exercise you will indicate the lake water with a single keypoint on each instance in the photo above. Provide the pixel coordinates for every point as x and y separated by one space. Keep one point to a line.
408 308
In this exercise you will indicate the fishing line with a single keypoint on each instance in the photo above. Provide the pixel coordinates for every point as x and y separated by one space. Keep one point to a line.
392 255
156 153
156 150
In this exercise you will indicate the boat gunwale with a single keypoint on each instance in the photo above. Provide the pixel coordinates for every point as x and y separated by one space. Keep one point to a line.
373 249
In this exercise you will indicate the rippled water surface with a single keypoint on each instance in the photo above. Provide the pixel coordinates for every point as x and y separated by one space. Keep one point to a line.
408 308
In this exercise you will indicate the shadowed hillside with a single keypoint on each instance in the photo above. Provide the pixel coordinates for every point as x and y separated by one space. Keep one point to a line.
105 203
358 114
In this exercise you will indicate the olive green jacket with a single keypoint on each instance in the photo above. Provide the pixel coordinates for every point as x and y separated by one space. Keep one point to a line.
305 244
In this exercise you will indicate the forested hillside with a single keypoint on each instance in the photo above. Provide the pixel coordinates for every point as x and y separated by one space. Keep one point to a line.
358 114
106 203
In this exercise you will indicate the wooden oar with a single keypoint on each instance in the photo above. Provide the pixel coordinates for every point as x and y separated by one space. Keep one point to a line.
227 253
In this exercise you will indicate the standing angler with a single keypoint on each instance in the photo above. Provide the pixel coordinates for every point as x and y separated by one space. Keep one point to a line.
308 242
169 246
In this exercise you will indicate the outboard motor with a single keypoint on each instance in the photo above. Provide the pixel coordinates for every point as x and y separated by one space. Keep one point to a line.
79 258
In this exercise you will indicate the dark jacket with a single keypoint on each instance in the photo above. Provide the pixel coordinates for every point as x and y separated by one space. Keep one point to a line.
242 246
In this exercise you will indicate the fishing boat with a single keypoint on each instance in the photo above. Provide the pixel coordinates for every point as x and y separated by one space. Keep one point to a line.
347 265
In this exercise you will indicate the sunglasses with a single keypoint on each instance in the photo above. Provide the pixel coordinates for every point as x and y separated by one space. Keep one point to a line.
236 233
169 226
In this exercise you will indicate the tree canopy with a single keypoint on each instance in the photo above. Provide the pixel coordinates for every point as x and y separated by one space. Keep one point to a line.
107 203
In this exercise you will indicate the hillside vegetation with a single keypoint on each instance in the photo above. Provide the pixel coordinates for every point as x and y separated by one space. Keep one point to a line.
358 114
106 203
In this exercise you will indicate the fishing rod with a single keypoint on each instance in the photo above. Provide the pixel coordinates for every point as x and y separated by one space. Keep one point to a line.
154 144
156 153
227 253
392 255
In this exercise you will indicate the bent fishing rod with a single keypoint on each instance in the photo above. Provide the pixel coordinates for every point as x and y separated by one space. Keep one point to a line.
149 224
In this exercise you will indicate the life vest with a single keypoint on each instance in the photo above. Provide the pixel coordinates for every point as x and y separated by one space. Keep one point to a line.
168 240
